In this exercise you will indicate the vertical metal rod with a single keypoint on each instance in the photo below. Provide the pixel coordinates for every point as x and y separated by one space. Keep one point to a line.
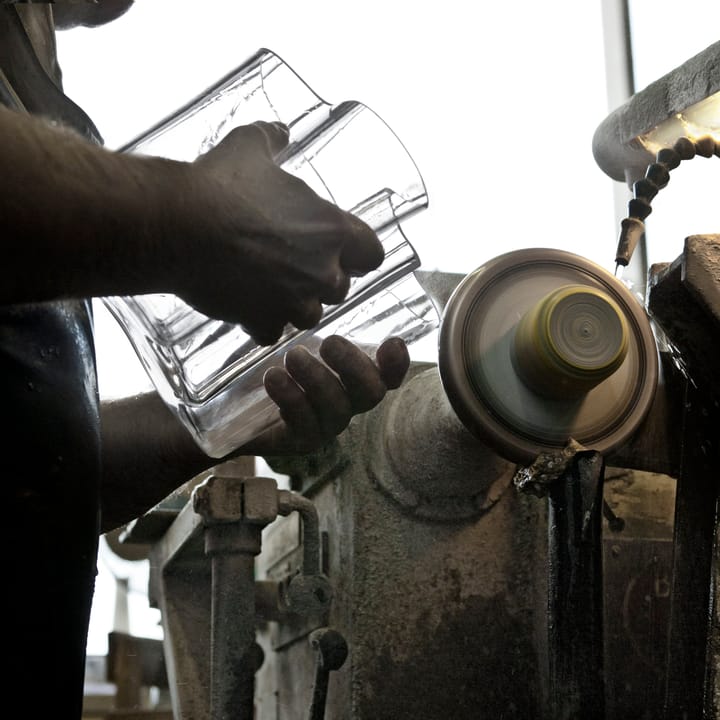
575 600
232 548
617 36
696 516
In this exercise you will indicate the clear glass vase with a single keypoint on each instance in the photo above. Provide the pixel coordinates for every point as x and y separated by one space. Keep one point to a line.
210 372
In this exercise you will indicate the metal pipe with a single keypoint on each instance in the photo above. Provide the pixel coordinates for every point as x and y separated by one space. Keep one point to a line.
293 502
232 548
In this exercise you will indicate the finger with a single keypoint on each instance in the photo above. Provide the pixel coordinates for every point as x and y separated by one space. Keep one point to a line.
271 137
358 373
393 360
323 390
277 135
275 440
362 251
306 314
293 404
267 332
338 289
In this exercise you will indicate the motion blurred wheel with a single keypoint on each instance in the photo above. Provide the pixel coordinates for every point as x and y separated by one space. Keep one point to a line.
539 346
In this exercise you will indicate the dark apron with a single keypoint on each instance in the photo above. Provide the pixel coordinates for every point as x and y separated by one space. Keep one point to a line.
50 445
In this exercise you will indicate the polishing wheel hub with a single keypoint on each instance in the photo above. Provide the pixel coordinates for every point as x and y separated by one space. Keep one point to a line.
539 346
571 340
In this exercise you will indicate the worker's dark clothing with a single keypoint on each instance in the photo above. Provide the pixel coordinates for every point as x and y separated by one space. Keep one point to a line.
51 432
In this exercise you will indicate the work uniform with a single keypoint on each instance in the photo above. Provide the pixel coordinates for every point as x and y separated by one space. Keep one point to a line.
51 430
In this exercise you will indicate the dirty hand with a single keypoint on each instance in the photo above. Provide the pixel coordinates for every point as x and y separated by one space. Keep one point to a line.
270 251
318 399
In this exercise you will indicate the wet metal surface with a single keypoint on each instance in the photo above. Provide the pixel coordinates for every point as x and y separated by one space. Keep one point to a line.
575 591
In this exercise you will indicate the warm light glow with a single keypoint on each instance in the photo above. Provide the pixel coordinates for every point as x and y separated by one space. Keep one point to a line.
698 120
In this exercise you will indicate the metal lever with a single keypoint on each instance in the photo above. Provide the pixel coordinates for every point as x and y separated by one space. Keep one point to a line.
332 650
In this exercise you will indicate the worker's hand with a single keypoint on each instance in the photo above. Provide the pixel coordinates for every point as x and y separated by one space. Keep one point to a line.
272 250
318 399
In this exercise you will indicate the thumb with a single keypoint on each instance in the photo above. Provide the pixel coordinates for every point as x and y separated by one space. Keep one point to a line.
277 136
272 137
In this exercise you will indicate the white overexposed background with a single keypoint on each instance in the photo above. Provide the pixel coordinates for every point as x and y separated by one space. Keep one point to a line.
497 103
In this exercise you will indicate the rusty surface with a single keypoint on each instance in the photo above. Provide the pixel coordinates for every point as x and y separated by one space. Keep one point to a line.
637 564
713 694
701 272
442 617
694 536
638 572
448 617
684 298
477 661
575 590
687 308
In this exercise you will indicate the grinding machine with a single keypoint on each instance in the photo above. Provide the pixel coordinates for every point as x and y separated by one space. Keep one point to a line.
527 528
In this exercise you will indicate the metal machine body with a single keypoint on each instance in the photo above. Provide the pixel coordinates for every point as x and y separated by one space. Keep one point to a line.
441 559
434 568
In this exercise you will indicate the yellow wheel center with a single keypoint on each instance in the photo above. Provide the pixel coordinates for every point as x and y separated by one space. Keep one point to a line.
570 341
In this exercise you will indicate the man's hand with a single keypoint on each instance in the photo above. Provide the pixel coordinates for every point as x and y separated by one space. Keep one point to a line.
232 234
268 250
143 439
318 399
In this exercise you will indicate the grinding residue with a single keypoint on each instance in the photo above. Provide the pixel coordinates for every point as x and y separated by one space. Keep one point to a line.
546 469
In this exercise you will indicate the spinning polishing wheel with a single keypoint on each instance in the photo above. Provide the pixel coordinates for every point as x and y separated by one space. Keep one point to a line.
540 346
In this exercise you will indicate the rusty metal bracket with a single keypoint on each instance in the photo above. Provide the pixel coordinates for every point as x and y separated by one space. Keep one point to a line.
573 479
575 601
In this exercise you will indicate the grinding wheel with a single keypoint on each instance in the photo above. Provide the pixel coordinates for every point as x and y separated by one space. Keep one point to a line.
539 346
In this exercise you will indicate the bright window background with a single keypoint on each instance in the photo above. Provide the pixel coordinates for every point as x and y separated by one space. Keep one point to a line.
496 102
